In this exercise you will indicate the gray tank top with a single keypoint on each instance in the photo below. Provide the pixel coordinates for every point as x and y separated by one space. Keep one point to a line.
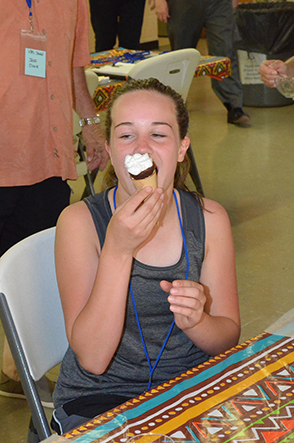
128 372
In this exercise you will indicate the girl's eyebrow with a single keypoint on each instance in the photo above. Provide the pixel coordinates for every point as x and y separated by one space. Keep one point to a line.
153 124
161 123
123 124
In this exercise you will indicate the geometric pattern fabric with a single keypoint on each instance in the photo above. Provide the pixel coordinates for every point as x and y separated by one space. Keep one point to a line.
243 395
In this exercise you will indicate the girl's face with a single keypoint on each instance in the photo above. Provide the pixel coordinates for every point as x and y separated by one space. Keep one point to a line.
145 121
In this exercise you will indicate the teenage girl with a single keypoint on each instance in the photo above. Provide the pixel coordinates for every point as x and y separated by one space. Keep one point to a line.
147 279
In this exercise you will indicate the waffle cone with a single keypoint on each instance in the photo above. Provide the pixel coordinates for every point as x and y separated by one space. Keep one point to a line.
148 181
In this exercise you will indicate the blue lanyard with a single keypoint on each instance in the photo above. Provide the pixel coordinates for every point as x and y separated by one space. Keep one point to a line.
152 368
29 3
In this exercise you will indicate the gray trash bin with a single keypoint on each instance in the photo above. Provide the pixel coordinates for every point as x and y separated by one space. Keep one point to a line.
265 31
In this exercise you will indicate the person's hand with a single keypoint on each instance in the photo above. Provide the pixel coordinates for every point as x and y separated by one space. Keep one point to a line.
187 300
270 69
94 139
133 221
161 9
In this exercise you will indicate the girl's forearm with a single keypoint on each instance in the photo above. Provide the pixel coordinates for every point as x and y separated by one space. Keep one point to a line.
214 335
97 330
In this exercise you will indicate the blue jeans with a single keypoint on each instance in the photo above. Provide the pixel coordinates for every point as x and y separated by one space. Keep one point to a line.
83 409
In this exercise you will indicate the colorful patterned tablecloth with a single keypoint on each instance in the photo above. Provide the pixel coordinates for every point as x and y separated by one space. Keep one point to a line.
104 93
215 67
243 395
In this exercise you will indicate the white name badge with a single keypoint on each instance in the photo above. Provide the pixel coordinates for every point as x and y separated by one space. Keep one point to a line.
33 48
35 62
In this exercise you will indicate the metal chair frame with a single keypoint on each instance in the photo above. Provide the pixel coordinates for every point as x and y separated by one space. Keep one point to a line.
32 316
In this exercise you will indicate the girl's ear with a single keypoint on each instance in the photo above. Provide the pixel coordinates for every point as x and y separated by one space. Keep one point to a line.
107 147
185 143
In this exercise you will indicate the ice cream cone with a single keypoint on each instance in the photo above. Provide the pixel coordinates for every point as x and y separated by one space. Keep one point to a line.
148 181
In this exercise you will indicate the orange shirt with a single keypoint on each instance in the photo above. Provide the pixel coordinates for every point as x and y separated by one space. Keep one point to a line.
36 129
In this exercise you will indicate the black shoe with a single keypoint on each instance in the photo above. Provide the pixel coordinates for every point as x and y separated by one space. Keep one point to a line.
237 116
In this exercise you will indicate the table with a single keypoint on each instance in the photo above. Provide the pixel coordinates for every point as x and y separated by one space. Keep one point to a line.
215 67
243 395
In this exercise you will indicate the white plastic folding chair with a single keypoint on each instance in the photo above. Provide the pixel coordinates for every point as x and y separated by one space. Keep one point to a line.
175 69
82 167
32 317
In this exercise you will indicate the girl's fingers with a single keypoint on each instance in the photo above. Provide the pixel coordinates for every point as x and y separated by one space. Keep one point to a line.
139 199
149 210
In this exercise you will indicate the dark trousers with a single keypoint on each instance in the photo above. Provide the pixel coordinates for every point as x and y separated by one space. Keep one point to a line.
25 210
122 18
187 18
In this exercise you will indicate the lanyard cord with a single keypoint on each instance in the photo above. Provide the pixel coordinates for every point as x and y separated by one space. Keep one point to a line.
29 3
152 368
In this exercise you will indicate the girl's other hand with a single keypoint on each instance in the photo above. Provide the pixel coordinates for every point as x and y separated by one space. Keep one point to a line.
187 300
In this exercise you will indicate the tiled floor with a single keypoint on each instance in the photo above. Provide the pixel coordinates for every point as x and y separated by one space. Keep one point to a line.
250 172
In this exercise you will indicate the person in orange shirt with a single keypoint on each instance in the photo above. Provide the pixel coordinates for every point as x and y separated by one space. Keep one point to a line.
44 48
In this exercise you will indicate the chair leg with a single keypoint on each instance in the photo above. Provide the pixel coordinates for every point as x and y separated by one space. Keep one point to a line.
40 420
89 178
194 172
32 434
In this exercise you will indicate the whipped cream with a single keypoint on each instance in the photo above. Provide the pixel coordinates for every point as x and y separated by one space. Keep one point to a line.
137 163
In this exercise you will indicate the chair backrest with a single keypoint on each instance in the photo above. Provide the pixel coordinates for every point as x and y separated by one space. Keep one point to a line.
28 281
175 69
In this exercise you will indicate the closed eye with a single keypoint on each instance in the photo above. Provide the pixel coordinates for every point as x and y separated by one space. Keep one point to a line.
156 135
126 136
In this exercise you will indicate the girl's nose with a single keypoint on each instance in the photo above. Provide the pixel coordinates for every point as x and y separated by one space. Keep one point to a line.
143 146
